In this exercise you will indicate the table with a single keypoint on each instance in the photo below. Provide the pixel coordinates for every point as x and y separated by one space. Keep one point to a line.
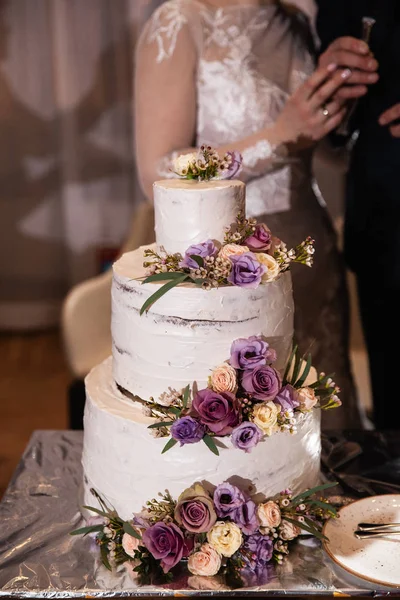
39 559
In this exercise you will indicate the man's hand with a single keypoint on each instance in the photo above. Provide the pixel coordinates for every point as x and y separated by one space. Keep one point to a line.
355 55
389 116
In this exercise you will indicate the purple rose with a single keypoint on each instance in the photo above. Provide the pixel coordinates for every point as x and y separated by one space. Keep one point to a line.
247 353
246 517
246 436
227 499
166 543
262 383
235 164
246 271
203 250
287 398
187 430
195 510
219 412
260 240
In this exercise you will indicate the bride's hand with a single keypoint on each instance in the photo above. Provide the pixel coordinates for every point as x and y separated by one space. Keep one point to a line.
311 112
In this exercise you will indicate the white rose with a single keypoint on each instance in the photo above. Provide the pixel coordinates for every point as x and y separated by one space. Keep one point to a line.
232 250
223 379
269 514
182 162
307 398
206 561
272 265
225 537
130 544
265 416
288 531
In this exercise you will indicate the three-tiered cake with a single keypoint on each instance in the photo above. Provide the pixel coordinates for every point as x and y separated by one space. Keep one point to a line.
178 341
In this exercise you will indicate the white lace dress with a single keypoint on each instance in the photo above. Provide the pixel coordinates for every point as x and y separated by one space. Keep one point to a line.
247 62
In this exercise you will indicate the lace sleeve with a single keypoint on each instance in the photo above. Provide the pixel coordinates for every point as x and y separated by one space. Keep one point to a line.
164 90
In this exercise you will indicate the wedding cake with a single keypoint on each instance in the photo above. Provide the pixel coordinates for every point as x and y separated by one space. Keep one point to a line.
203 384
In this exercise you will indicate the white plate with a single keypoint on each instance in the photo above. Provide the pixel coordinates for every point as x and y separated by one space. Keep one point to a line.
375 560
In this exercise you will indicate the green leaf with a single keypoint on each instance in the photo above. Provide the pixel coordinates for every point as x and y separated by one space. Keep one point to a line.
315 532
104 556
185 396
174 410
198 259
86 530
305 373
163 276
161 424
319 488
130 530
97 511
170 444
197 281
163 290
209 442
296 368
289 363
324 505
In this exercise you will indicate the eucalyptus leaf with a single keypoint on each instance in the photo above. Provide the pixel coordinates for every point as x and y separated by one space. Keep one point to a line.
299 383
174 410
97 511
319 488
163 290
170 444
160 424
198 259
296 368
104 556
324 505
127 527
315 532
289 363
209 442
163 276
185 396
86 530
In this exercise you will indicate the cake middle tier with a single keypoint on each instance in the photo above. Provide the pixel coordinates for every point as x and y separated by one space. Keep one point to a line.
189 331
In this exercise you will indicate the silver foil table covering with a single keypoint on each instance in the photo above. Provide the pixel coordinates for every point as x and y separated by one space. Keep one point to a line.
39 559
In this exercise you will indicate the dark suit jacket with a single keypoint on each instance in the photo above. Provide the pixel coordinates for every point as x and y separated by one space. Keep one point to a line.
372 221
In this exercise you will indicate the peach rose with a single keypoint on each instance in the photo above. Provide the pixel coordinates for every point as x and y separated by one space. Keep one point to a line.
288 531
307 398
272 265
206 561
232 250
130 544
223 379
269 514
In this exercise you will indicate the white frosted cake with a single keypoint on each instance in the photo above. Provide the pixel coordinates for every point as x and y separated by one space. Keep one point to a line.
177 342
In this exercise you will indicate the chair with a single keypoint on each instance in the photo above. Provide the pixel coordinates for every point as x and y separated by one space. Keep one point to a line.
86 316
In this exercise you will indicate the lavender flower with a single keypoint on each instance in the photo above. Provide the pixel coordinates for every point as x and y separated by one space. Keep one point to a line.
166 543
260 240
219 412
247 353
246 270
235 160
187 430
246 517
246 436
262 383
287 398
227 499
203 250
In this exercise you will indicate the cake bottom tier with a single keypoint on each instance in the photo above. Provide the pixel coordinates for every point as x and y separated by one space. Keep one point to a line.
122 461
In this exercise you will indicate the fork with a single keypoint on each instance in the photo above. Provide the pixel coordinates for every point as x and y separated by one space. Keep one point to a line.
370 535
376 526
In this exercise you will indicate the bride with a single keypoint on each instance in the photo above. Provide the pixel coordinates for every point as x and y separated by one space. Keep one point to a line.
239 74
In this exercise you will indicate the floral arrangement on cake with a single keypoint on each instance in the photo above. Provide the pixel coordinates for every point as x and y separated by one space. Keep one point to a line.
246 399
220 530
248 257
206 164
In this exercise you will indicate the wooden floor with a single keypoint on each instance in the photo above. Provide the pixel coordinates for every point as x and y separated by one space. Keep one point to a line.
33 393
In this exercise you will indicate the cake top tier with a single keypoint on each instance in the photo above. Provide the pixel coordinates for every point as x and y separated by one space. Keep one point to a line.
189 212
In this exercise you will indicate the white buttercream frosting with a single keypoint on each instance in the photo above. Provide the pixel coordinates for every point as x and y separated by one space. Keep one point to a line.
188 212
189 331
123 462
